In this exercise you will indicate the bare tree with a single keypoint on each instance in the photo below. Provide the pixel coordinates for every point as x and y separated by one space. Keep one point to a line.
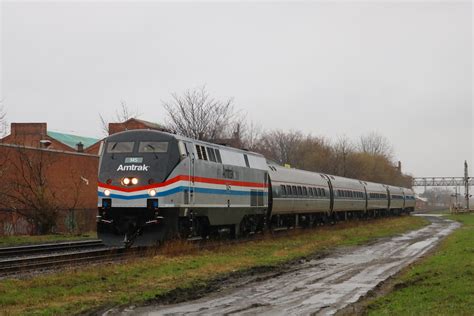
79 185
342 148
376 144
3 121
251 135
281 146
122 114
313 154
197 115
29 192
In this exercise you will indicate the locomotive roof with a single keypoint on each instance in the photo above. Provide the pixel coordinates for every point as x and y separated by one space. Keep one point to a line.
184 138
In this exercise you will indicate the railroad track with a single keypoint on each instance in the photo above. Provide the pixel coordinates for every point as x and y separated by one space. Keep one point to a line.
48 248
51 256
55 260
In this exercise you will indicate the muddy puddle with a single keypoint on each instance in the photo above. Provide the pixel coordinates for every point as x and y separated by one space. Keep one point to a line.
315 287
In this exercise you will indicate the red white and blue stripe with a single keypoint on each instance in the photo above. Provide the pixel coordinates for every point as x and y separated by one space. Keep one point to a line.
180 184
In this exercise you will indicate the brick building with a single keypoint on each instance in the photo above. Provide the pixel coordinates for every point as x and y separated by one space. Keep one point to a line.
133 123
37 135
41 186
45 172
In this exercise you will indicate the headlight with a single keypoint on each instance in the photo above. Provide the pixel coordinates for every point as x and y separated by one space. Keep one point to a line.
152 192
107 192
126 181
134 180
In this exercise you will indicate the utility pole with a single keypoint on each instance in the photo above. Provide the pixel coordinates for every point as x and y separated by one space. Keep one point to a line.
466 185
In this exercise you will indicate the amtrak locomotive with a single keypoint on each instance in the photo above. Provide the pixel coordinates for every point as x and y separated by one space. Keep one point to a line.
154 186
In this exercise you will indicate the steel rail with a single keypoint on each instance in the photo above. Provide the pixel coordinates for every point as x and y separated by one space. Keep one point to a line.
49 247
32 263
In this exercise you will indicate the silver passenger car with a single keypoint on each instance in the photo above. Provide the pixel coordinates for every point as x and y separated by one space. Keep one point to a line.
349 194
410 199
377 196
297 191
397 198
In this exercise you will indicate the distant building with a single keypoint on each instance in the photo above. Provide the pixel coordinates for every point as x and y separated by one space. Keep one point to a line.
38 136
134 123
421 203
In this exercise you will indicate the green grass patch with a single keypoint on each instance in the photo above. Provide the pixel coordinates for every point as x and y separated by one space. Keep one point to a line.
7 241
179 266
441 284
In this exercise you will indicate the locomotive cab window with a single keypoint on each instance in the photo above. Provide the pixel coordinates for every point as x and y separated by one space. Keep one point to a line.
153 147
120 147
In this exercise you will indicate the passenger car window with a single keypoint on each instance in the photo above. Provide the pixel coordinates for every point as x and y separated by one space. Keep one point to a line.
299 191
288 190
293 190
283 190
120 147
305 191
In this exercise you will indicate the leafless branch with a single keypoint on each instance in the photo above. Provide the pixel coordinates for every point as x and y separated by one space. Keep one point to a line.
376 144
3 121
197 115
122 114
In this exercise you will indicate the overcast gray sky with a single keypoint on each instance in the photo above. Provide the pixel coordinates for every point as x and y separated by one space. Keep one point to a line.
403 69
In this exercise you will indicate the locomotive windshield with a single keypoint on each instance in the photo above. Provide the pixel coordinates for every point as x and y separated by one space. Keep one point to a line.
120 147
153 147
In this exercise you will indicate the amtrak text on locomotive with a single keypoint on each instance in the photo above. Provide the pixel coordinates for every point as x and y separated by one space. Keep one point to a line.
133 168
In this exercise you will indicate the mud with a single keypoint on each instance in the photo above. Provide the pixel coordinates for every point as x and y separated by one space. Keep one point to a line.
319 286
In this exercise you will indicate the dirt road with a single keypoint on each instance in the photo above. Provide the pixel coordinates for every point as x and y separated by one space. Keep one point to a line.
320 287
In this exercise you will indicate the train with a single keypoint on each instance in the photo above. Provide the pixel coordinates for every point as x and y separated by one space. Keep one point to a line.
154 186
